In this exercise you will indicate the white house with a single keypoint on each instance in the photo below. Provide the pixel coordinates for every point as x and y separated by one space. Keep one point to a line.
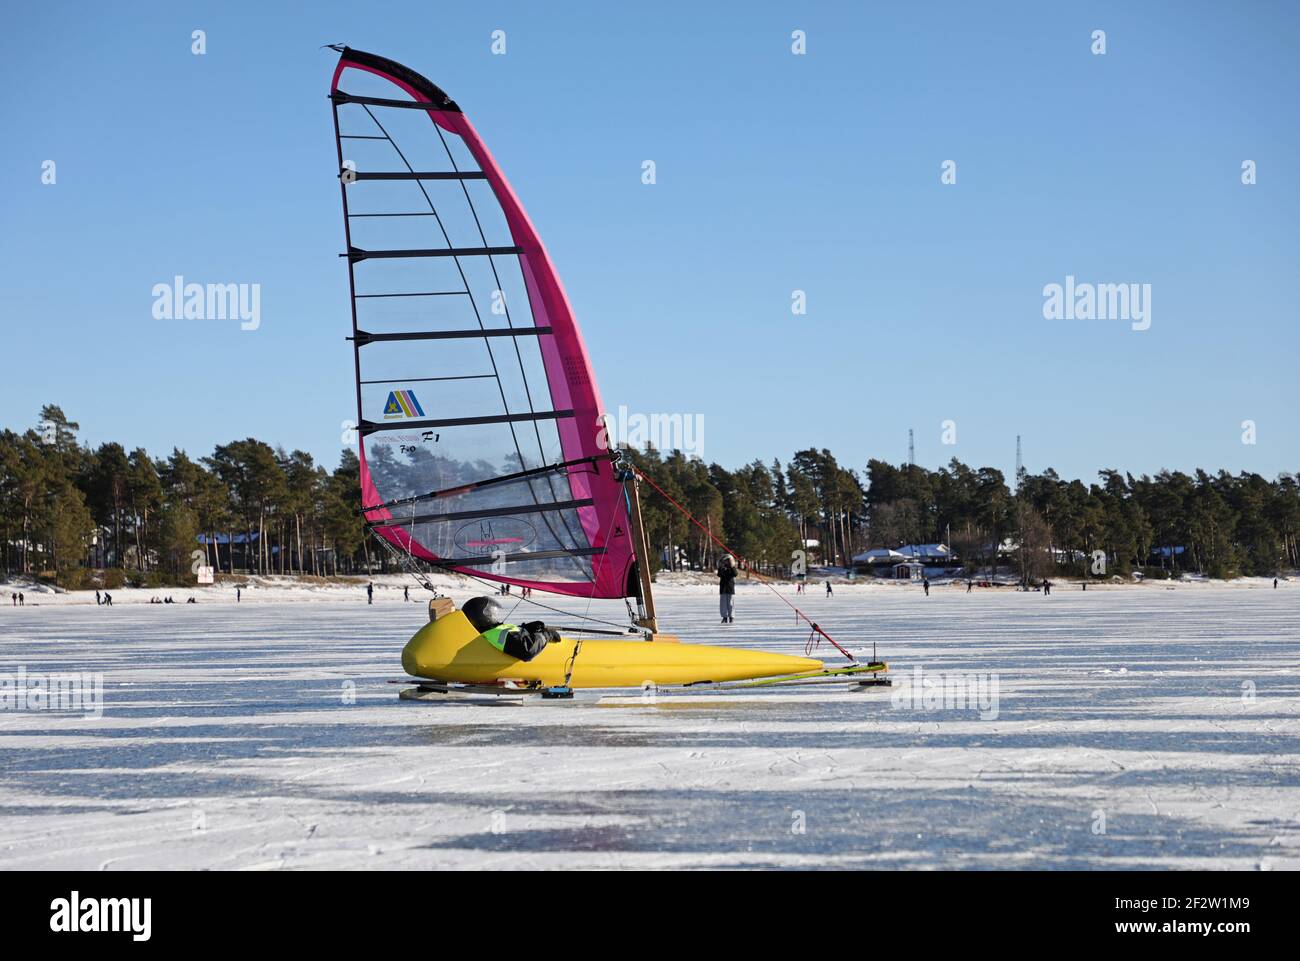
931 555
879 555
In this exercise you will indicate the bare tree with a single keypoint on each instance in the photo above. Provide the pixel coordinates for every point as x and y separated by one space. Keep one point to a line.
1034 537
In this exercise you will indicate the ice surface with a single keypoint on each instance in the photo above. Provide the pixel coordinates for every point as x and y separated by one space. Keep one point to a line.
227 740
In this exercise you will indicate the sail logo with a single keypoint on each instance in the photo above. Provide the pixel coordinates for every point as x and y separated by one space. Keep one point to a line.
181 301
402 403
503 532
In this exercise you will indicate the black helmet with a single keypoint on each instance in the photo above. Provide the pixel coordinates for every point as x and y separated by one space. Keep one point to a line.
483 612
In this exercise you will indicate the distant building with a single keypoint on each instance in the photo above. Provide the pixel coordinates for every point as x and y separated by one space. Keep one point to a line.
878 555
931 555
908 571
909 562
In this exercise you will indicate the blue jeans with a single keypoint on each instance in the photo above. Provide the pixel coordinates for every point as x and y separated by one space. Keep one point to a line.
726 603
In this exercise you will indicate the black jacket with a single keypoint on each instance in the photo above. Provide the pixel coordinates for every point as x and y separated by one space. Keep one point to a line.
727 579
529 640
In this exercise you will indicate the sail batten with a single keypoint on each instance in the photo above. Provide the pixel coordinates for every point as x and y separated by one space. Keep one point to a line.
369 425
371 337
490 481
417 174
356 253
341 96
473 384
485 512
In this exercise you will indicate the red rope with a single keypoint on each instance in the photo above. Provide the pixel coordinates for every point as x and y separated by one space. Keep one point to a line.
798 613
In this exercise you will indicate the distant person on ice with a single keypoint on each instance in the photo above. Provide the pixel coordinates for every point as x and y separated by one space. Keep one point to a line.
524 641
1047 587
98 601
370 593
406 593
727 588
829 592
925 582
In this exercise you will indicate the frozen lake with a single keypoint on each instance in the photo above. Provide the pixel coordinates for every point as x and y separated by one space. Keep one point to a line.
1141 727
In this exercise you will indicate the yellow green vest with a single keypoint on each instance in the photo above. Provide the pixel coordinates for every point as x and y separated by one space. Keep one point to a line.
496 636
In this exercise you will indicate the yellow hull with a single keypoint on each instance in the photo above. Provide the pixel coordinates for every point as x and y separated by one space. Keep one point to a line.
449 649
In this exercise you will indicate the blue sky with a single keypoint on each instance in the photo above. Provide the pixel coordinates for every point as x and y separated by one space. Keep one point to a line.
775 173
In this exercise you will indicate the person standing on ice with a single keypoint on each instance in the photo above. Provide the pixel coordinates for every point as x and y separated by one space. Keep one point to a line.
523 642
370 593
925 582
238 594
97 601
406 593
727 588
829 592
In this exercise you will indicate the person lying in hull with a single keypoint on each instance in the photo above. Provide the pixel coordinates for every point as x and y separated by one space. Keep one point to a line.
524 641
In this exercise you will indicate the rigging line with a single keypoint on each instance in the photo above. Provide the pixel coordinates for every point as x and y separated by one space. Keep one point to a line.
528 393
586 630
613 516
573 659
407 562
473 303
762 580
529 600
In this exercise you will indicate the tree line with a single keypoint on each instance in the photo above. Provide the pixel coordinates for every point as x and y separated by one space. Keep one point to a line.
66 508
1220 525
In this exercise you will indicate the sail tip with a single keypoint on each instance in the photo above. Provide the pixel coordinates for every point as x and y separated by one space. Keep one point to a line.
417 82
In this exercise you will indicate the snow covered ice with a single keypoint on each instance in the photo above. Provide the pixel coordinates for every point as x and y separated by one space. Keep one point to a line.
1137 727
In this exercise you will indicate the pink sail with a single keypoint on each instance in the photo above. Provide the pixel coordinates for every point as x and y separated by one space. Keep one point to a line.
481 440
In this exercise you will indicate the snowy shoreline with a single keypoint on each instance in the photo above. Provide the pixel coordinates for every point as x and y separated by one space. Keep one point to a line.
284 589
